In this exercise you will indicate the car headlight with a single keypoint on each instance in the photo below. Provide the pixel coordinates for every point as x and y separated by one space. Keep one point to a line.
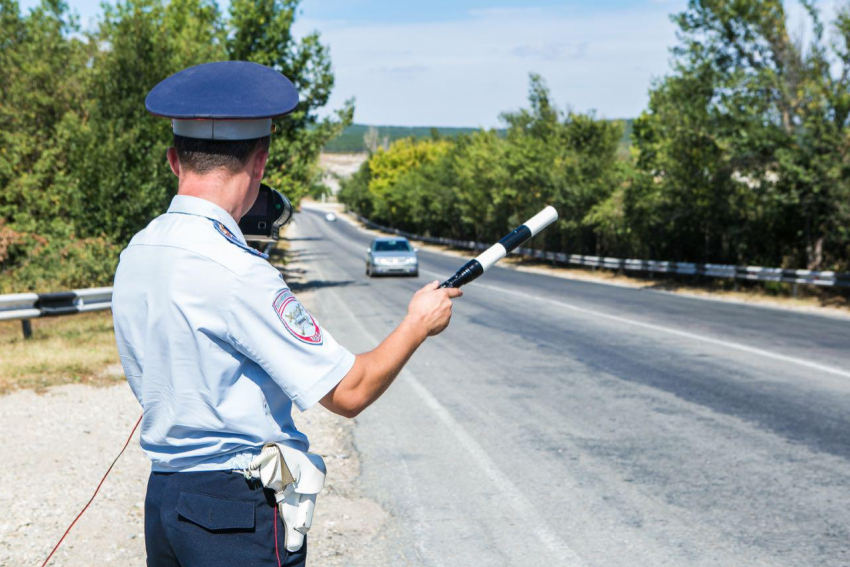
411 260
382 261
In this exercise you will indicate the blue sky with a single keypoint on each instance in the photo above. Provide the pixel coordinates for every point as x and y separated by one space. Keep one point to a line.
462 62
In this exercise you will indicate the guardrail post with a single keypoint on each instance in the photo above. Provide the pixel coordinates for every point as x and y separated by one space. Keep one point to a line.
794 290
26 325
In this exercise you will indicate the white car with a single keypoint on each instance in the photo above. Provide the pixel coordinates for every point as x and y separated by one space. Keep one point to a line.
391 255
330 217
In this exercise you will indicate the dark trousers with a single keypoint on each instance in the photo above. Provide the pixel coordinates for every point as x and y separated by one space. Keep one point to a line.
213 519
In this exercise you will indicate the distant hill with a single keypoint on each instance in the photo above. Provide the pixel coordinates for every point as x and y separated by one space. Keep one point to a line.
351 139
626 139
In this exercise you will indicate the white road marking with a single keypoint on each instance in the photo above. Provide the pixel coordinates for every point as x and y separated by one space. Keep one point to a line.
685 334
509 492
409 487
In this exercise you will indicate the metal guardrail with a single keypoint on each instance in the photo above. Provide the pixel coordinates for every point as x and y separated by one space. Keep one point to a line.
27 306
756 273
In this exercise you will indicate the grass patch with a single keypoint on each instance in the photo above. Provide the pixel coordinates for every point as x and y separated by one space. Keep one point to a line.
63 350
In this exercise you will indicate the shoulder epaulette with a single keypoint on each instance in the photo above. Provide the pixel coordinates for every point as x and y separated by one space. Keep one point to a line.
219 226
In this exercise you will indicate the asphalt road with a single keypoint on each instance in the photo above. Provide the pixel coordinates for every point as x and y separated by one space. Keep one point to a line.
559 422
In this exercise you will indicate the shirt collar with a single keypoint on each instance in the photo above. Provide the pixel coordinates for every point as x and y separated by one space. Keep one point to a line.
189 205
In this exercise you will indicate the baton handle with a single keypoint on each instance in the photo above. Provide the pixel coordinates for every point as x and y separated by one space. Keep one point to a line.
510 242
464 275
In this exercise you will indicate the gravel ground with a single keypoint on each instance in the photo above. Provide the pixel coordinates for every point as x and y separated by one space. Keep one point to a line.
57 445
66 439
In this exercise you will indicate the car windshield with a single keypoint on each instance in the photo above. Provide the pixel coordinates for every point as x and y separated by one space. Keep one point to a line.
392 246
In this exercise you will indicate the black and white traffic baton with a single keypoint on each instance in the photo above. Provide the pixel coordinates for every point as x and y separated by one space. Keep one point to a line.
505 246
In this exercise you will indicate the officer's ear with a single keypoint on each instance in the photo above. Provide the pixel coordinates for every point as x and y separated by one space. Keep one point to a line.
258 163
171 154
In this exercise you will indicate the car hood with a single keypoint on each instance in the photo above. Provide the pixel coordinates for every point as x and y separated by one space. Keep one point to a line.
394 254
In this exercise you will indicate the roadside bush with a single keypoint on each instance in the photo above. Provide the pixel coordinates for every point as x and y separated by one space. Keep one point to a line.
57 262
481 185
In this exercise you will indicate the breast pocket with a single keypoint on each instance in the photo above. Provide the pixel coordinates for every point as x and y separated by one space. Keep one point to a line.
216 514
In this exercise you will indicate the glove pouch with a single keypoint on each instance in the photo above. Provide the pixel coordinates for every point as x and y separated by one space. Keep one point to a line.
296 477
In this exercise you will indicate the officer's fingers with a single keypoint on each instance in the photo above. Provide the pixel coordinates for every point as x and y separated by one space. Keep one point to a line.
429 287
453 292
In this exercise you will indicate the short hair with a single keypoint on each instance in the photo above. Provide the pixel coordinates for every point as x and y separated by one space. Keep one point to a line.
204 156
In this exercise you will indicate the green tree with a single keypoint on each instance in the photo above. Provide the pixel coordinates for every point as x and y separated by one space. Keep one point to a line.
42 92
261 31
120 149
82 164
481 185
41 87
425 197
567 161
354 192
484 189
746 143
386 168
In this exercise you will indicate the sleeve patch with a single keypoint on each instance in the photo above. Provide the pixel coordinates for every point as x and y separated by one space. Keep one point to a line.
296 319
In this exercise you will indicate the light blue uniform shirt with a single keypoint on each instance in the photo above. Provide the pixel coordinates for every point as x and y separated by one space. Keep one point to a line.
214 344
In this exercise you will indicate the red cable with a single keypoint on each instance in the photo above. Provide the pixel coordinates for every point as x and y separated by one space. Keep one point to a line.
95 493
276 552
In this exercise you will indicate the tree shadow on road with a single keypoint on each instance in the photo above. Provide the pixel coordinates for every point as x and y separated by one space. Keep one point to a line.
319 284
295 255
296 280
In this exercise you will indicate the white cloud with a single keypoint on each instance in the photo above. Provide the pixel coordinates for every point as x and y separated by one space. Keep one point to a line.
551 51
465 73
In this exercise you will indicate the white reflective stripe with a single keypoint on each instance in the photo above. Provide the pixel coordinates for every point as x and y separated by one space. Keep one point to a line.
223 129
491 255
541 220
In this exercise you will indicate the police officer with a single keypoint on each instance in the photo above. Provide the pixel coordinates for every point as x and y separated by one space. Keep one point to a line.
215 346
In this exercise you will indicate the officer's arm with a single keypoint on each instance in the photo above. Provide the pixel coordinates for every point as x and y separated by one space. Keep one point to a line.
428 314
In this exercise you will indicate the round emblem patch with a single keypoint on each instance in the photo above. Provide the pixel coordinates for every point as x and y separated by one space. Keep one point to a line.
296 319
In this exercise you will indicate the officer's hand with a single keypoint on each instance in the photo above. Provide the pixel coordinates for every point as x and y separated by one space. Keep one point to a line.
431 308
